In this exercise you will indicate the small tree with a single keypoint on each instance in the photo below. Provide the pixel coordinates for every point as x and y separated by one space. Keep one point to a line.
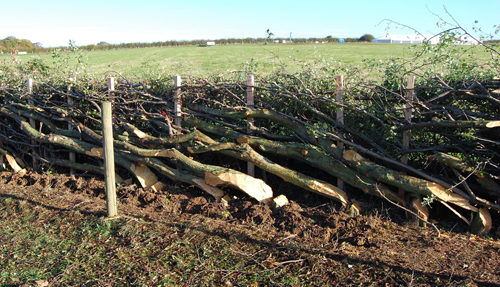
366 38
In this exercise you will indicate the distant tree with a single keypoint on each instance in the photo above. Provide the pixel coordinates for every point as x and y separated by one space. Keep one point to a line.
11 43
330 39
366 38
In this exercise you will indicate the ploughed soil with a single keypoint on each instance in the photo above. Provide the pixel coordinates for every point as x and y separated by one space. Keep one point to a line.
310 242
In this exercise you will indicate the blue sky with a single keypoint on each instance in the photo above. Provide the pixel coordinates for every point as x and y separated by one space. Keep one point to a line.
55 22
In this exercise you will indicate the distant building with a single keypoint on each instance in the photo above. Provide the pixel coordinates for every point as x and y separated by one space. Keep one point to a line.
406 39
210 43
419 39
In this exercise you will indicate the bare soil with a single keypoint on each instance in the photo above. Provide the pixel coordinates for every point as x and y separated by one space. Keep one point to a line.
317 243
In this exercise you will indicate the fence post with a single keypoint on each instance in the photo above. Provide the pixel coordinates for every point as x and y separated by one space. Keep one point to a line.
407 114
408 111
109 155
72 154
250 121
177 101
340 117
29 84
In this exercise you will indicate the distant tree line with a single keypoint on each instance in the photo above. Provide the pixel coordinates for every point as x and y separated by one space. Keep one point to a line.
13 45
228 41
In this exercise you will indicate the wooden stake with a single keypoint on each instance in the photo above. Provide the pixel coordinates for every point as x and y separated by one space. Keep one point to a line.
407 113
177 101
109 158
72 154
340 117
250 121
29 84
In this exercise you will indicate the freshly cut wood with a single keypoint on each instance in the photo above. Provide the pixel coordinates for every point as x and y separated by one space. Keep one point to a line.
483 178
158 186
421 210
245 152
355 209
225 201
416 186
14 165
303 152
279 201
315 157
145 176
292 121
212 190
252 186
482 223
176 175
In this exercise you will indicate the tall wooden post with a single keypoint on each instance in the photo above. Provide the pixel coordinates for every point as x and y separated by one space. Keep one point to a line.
410 92
177 101
29 85
72 154
109 154
250 121
340 117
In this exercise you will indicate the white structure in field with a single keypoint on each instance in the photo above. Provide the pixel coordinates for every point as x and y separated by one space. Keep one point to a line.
210 43
419 39
406 39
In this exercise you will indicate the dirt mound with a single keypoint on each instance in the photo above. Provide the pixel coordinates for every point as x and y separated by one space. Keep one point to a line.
331 243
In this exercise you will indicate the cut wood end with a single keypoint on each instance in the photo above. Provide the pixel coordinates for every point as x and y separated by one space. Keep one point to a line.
353 156
482 222
140 134
329 190
212 190
145 176
355 209
493 124
445 195
158 186
96 152
279 201
212 179
421 210
252 186
224 201
13 164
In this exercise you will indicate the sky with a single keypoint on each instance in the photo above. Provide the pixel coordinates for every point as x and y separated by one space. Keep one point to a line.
54 23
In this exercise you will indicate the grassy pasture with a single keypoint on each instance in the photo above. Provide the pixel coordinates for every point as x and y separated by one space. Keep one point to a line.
259 59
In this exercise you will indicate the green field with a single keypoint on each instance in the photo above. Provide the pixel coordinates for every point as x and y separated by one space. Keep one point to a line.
259 59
